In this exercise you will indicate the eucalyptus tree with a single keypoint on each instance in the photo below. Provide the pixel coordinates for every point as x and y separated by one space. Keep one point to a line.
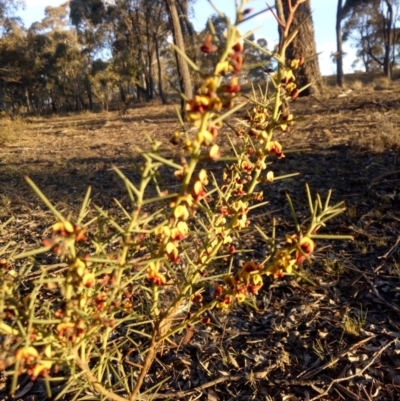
136 30
303 44
339 44
63 60
372 26
8 8
10 26
183 68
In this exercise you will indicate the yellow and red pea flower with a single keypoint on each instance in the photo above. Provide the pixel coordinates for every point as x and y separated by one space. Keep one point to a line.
88 280
63 228
172 252
67 229
70 331
41 368
207 46
276 148
181 212
218 291
234 86
180 231
155 276
209 87
282 263
223 68
247 166
307 246
225 302
214 153
258 196
27 355
296 63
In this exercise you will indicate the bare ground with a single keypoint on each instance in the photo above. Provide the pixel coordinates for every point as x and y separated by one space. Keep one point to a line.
337 341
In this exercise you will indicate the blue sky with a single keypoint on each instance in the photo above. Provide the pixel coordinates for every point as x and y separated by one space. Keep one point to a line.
324 16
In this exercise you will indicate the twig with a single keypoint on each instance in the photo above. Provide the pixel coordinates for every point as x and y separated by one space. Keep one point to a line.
47 268
322 103
391 249
95 383
254 376
311 373
377 180
342 379
376 292
348 393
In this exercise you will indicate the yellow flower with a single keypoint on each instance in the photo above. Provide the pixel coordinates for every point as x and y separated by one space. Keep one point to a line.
40 369
181 212
198 190
247 166
240 206
307 246
276 147
154 275
223 68
270 176
209 87
203 177
225 303
63 228
288 75
88 280
26 355
215 153
204 137
239 221
78 267
294 64
240 297
282 262
172 252
180 231
227 239
291 86
163 231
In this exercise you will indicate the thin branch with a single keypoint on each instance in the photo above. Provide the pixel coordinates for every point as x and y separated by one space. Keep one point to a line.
95 383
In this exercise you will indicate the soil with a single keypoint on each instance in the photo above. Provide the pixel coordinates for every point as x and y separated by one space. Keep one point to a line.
336 340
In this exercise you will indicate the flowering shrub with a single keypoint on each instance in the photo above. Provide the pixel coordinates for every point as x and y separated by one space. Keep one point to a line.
133 281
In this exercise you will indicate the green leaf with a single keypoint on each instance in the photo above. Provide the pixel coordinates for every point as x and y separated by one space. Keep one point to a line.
187 59
45 200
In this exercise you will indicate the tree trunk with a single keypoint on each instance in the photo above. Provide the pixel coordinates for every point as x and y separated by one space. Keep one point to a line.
183 68
149 70
339 45
122 93
89 92
28 100
160 78
187 28
388 36
303 45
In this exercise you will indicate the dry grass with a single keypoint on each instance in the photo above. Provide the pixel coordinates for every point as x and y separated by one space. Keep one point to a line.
387 136
381 83
12 129
356 85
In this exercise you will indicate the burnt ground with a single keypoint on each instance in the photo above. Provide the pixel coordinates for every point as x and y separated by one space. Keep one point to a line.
336 340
